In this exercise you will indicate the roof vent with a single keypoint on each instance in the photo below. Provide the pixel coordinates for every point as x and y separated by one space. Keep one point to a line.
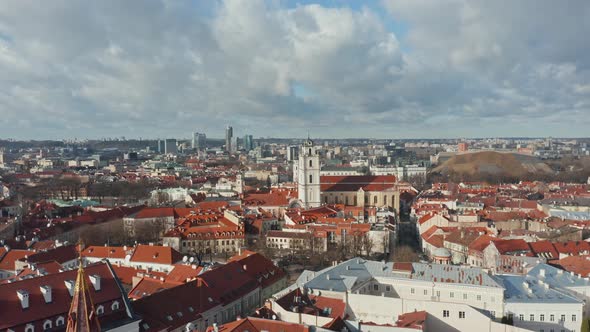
95 280
70 286
23 296
46 291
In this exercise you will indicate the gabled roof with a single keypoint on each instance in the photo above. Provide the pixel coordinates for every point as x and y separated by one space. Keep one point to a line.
356 183
545 249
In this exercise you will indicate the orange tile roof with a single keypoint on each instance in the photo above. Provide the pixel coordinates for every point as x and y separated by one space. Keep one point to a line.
7 262
156 254
252 324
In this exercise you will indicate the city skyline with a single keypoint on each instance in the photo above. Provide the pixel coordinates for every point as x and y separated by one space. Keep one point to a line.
376 69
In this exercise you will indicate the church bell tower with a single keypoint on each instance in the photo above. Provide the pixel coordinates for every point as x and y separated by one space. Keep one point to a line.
308 179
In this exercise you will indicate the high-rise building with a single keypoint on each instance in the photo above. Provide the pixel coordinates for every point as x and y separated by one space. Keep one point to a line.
235 144
170 146
1 156
248 143
199 141
229 133
161 146
292 153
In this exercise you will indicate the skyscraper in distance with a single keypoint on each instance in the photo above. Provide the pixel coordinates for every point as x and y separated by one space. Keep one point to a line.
229 133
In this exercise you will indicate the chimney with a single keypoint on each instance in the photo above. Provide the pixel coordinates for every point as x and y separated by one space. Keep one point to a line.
70 286
95 280
23 296
46 291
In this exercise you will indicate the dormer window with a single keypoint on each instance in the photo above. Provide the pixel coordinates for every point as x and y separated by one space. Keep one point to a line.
100 310
115 306
47 325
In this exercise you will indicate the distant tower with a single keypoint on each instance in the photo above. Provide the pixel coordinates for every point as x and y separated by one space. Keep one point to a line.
308 179
1 156
239 184
229 133
82 315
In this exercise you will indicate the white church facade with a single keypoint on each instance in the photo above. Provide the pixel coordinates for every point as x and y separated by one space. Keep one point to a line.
355 190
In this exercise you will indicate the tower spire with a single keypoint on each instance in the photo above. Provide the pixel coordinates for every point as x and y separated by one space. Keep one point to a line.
82 315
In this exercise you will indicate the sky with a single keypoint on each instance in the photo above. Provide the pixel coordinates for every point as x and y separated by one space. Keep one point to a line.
283 68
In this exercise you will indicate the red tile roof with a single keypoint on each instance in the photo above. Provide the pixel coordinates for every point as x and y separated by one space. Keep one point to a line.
148 286
354 183
545 249
7 262
259 267
512 246
156 255
107 252
12 314
413 320
251 324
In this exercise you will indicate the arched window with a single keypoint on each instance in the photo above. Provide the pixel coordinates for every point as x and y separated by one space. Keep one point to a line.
29 328
346 200
310 151
59 321
115 306
310 178
355 202
375 200
310 163
47 325
99 310
326 199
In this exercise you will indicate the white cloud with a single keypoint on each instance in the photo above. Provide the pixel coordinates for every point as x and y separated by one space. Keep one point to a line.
73 68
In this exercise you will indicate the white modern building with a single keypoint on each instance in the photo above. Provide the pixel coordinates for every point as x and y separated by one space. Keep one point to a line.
457 298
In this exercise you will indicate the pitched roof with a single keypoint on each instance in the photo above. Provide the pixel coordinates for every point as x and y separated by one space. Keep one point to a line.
259 267
413 320
7 262
355 183
511 246
252 324
155 254
107 252
60 254
12 313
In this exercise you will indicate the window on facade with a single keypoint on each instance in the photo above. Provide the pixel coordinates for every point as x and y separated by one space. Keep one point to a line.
541 317
452 295
445 313
412 290
310 178
59 321
532 318
464 296
573 318
461 314
521 317
47 325
479 297
310 163
562 318
388 288
115 306
375 200
551 318
376 287
438 293
99 310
